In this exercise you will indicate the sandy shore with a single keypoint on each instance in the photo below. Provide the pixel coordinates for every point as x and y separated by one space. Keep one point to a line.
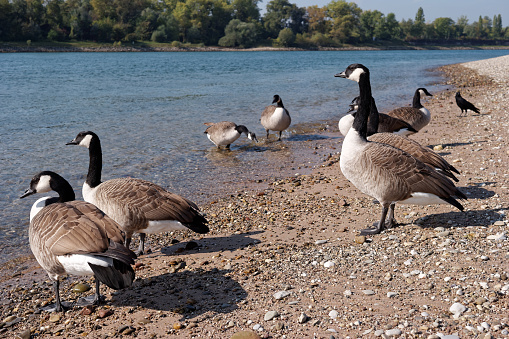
286 261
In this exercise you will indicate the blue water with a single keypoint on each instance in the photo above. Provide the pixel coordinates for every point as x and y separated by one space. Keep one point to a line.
149 110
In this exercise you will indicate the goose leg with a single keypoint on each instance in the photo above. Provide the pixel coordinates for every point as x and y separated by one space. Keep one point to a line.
92 299
280 132
141 248
267 134
390 221
58 306
228 146
378 226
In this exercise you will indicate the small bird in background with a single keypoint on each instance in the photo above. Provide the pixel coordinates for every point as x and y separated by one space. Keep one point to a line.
465 105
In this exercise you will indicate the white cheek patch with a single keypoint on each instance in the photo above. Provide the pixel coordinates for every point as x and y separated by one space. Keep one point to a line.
43 185
86 141
355 75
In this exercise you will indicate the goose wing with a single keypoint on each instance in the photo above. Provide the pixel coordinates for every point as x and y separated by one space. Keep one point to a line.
65 229
391 124
408 114
267 112
219 126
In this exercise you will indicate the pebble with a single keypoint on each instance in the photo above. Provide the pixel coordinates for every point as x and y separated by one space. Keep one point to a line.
333 314
360 239
379 332
347 293
54 318
245 335
281 294
499 223
451 336
321 242
25 334
391 294
270 315
80 288
457 309
497 237
303 318
438 147
103 313
393 332
368 292
328 264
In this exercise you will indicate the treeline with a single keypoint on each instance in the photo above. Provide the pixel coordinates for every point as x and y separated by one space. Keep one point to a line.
228 23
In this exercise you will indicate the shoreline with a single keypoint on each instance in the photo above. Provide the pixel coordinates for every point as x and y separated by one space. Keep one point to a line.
6 48
278 238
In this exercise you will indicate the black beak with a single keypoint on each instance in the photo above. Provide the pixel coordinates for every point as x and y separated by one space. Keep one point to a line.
340 75
74 142
27 193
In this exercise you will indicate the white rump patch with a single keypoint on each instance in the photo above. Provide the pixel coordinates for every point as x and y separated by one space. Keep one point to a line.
159 226
77 264
420 198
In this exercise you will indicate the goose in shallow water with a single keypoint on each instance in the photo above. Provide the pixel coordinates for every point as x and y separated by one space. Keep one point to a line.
74 237
276 117
384 172
386 123
417 115
138 206
226 132
465 105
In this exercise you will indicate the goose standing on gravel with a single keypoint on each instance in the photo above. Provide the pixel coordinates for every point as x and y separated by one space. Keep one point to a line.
138 206
74 237
386 123
384 172
224 133
276 117
417 116
465 105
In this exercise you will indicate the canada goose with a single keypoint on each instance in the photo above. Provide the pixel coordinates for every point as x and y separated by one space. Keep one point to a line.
74 237
417 116
465 105
384 172
136 205
408 145
276 117
386 123
225 132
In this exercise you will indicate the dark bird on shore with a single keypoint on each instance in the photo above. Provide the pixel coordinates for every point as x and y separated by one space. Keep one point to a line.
276 117
226 132
74 237
138 206
384 172
465 105
417 115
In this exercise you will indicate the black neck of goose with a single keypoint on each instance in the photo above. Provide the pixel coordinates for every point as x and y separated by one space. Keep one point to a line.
241 129
279 103
96 163
65 191
374 118
360 123
416 103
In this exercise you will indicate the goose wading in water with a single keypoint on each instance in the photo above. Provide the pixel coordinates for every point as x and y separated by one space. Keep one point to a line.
224 133
74 237
276 117
137 205
386 173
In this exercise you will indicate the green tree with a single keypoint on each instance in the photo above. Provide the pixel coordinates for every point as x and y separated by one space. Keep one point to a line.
461 26
444 28
372 25
286 37
345 20
246 10
238 33
7 21
497 26
282 14
418 28
317 20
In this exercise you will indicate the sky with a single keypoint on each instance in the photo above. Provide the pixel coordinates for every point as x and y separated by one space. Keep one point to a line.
406 9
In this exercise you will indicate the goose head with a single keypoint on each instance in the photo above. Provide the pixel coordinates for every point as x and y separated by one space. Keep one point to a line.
83 139
424 92
252 136
40 183
276 99
353 72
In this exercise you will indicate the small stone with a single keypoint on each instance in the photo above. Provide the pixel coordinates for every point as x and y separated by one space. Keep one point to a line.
379 333
80 288
9 319
457 309
281 294
270 315
499 223
54 318
438 148
480 301
103 313
177 326
320 242
368 292
25 334
333 314
360 239
393 332
328 264
87 310
391 294
347 293
303 318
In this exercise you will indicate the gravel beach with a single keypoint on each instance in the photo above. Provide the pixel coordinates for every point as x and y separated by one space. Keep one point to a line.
286 261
